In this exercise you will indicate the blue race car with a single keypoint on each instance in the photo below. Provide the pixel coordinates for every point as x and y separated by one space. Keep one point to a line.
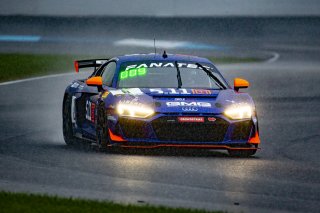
153 100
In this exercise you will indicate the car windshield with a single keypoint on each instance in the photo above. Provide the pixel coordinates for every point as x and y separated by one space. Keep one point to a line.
164 74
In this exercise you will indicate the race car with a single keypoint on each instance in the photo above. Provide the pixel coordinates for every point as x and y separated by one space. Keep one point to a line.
159 100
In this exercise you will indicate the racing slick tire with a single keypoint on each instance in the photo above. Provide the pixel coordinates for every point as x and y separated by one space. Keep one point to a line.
242 153
102 129
67 122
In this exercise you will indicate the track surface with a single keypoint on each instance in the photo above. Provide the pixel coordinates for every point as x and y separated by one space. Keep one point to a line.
283 177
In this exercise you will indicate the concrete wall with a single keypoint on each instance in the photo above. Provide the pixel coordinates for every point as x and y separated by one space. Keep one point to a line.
160 8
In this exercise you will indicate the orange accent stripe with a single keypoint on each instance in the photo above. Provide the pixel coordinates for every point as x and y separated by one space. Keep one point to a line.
255 139
189 146
115 137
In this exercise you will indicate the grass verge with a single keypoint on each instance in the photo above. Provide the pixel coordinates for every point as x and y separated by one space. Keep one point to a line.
17 66
21 202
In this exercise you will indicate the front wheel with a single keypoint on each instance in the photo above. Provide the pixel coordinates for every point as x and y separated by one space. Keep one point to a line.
102 129
67 122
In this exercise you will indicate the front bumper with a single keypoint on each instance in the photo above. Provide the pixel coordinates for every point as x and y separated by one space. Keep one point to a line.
165 130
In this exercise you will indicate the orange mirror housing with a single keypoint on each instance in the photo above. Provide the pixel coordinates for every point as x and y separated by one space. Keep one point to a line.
94 81
240 83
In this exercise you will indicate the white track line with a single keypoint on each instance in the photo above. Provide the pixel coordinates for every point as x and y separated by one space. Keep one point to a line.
36 78
275 57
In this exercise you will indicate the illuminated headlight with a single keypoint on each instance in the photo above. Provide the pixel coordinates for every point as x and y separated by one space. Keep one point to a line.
138 111
240 111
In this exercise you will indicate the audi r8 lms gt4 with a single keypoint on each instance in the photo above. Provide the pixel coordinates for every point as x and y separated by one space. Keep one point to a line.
159 100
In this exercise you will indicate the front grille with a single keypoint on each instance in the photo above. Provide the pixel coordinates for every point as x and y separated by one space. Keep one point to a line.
241 130
134 128
168 128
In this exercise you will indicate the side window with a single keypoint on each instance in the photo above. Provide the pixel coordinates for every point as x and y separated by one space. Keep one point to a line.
108 73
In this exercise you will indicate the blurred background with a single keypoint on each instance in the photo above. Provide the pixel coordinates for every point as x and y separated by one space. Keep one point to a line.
275 44
250 29
165 8
53 33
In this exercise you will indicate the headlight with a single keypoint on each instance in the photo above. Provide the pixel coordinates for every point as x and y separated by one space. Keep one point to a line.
239 111
133 110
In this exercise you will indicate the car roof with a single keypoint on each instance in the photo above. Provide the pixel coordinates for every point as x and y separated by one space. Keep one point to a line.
159 57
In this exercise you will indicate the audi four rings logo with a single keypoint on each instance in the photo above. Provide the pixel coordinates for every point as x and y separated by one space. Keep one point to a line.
190 109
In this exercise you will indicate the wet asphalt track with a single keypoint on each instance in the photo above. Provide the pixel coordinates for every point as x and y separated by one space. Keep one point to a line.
283 176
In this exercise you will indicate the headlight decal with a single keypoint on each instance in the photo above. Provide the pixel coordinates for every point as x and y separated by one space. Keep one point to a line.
134 110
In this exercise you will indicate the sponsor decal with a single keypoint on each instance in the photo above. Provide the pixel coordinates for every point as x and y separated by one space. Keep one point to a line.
93 107
212 119
191 119
101 61
179 99
190 109
187 104
201 91
111 118
75 85
116 92
158 91
133 102
90 110
105 94
132 91
161 64
170 91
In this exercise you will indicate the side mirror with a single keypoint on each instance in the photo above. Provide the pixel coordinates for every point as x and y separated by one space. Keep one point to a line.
94 81
240 83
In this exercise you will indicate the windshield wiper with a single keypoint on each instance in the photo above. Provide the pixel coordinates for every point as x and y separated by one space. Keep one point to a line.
178 75
209 73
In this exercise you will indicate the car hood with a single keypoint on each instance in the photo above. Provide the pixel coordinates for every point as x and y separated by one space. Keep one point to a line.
167 100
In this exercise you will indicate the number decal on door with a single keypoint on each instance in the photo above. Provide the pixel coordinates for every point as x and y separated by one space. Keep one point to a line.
90 108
